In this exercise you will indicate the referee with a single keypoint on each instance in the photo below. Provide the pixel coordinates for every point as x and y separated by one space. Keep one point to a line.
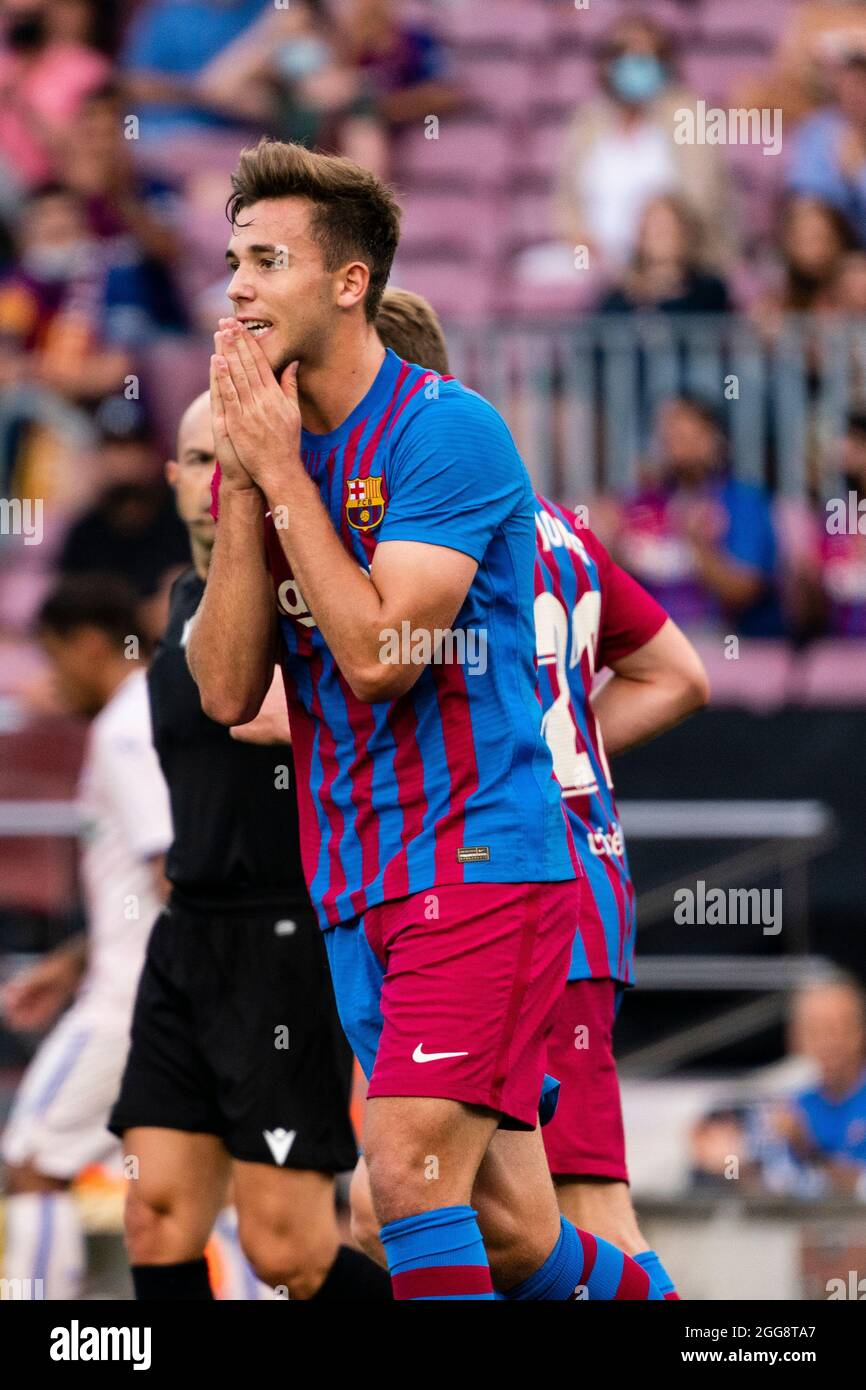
238 1067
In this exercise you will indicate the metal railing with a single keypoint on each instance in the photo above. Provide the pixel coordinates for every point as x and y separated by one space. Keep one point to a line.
581 397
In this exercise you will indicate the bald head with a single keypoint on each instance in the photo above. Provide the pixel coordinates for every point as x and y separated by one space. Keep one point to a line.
195 423
190 473
828 1025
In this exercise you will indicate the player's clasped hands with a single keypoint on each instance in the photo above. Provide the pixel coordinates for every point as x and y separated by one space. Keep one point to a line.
256 418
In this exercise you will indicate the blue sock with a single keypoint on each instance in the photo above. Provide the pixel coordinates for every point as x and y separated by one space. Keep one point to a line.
585 1266
649 1260
437 1255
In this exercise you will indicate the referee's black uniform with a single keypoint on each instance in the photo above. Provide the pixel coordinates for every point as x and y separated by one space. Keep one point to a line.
235 1031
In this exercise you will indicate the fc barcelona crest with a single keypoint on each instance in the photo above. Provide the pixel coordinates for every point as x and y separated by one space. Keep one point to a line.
365 505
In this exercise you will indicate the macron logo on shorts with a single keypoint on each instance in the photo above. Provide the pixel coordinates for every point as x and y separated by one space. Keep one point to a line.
280 1141
419 1055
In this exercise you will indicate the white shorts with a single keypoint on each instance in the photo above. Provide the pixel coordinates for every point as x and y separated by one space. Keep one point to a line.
57 1123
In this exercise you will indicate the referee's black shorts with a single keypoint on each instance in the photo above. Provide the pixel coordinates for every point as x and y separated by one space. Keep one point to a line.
235 1033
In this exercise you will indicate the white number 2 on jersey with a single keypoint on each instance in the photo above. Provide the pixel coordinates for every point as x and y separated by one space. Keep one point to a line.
572 765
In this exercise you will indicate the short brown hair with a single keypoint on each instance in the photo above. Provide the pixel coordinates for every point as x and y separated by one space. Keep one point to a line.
355 216
409 325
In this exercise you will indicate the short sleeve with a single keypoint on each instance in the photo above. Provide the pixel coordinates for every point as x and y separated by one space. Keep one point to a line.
454 477
630 616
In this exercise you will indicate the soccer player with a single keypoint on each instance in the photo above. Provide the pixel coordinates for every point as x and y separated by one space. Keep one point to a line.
588 614
238 1065
57 1125
435 845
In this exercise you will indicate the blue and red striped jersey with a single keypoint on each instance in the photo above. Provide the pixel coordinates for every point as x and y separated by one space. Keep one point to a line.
452 782
588 613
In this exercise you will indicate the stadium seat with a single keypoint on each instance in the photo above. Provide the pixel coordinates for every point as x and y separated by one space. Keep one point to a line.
502 86
496 25
538 155
468 154
452 222
459 290
745 20
570 79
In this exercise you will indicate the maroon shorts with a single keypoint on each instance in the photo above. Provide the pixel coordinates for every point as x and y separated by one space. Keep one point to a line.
469 979
585 1137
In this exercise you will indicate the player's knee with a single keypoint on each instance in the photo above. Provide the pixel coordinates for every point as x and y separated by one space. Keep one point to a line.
285 1258
158 1231
143 1225
400 1186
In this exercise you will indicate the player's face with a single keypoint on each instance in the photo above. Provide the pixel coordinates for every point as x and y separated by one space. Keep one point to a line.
74 660
191 472
279 282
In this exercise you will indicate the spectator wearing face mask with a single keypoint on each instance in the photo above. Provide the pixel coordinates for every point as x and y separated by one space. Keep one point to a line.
621 152
47 66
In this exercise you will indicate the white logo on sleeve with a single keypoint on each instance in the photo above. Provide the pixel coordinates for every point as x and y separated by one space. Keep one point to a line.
419 1055
280 1141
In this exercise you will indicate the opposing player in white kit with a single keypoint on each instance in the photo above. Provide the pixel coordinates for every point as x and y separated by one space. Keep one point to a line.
58 1121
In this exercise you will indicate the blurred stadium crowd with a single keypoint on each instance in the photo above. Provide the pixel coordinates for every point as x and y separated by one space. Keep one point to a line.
532 144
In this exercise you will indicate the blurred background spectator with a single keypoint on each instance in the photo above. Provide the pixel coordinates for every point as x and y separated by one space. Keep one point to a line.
700 540
49 60
828 160
620 151
812 1143
665 273
676 333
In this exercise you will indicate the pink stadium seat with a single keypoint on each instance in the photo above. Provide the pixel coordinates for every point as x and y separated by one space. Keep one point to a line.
570 79
540 152
459 291
714 76
529 217
833 673
745 18
525 24
590 24
502 86
468 153
471 221
565 299
759 679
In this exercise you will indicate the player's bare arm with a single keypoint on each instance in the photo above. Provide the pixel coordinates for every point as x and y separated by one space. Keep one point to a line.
424 585
651 690
233 638
271 724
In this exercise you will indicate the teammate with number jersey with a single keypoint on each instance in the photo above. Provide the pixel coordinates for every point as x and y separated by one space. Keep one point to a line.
589 614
